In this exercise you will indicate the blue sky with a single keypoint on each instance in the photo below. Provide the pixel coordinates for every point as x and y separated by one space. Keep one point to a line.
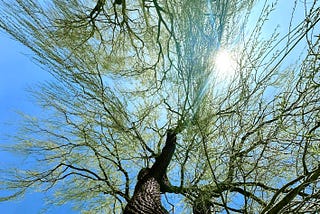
17 72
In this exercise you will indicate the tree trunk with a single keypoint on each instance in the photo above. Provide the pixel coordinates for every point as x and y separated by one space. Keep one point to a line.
146 198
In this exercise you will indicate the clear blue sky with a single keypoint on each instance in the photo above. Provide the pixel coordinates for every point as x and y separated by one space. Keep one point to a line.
17 72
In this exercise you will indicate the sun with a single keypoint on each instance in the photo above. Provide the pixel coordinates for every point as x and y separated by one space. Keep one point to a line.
224 64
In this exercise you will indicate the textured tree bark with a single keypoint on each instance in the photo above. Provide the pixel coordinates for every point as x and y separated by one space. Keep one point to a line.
151 181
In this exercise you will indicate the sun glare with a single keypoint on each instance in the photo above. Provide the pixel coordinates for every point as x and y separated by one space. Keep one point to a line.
224 65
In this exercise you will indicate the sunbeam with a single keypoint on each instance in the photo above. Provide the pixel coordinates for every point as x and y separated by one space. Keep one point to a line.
224 65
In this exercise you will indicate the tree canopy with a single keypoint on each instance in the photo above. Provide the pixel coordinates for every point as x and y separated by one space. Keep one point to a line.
127 71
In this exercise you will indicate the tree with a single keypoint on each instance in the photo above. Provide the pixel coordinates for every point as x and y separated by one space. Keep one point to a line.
137 107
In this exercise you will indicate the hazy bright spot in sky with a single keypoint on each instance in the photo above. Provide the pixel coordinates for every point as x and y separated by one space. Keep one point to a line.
224 65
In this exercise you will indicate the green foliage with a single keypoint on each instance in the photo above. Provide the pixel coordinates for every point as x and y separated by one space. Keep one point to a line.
126 73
